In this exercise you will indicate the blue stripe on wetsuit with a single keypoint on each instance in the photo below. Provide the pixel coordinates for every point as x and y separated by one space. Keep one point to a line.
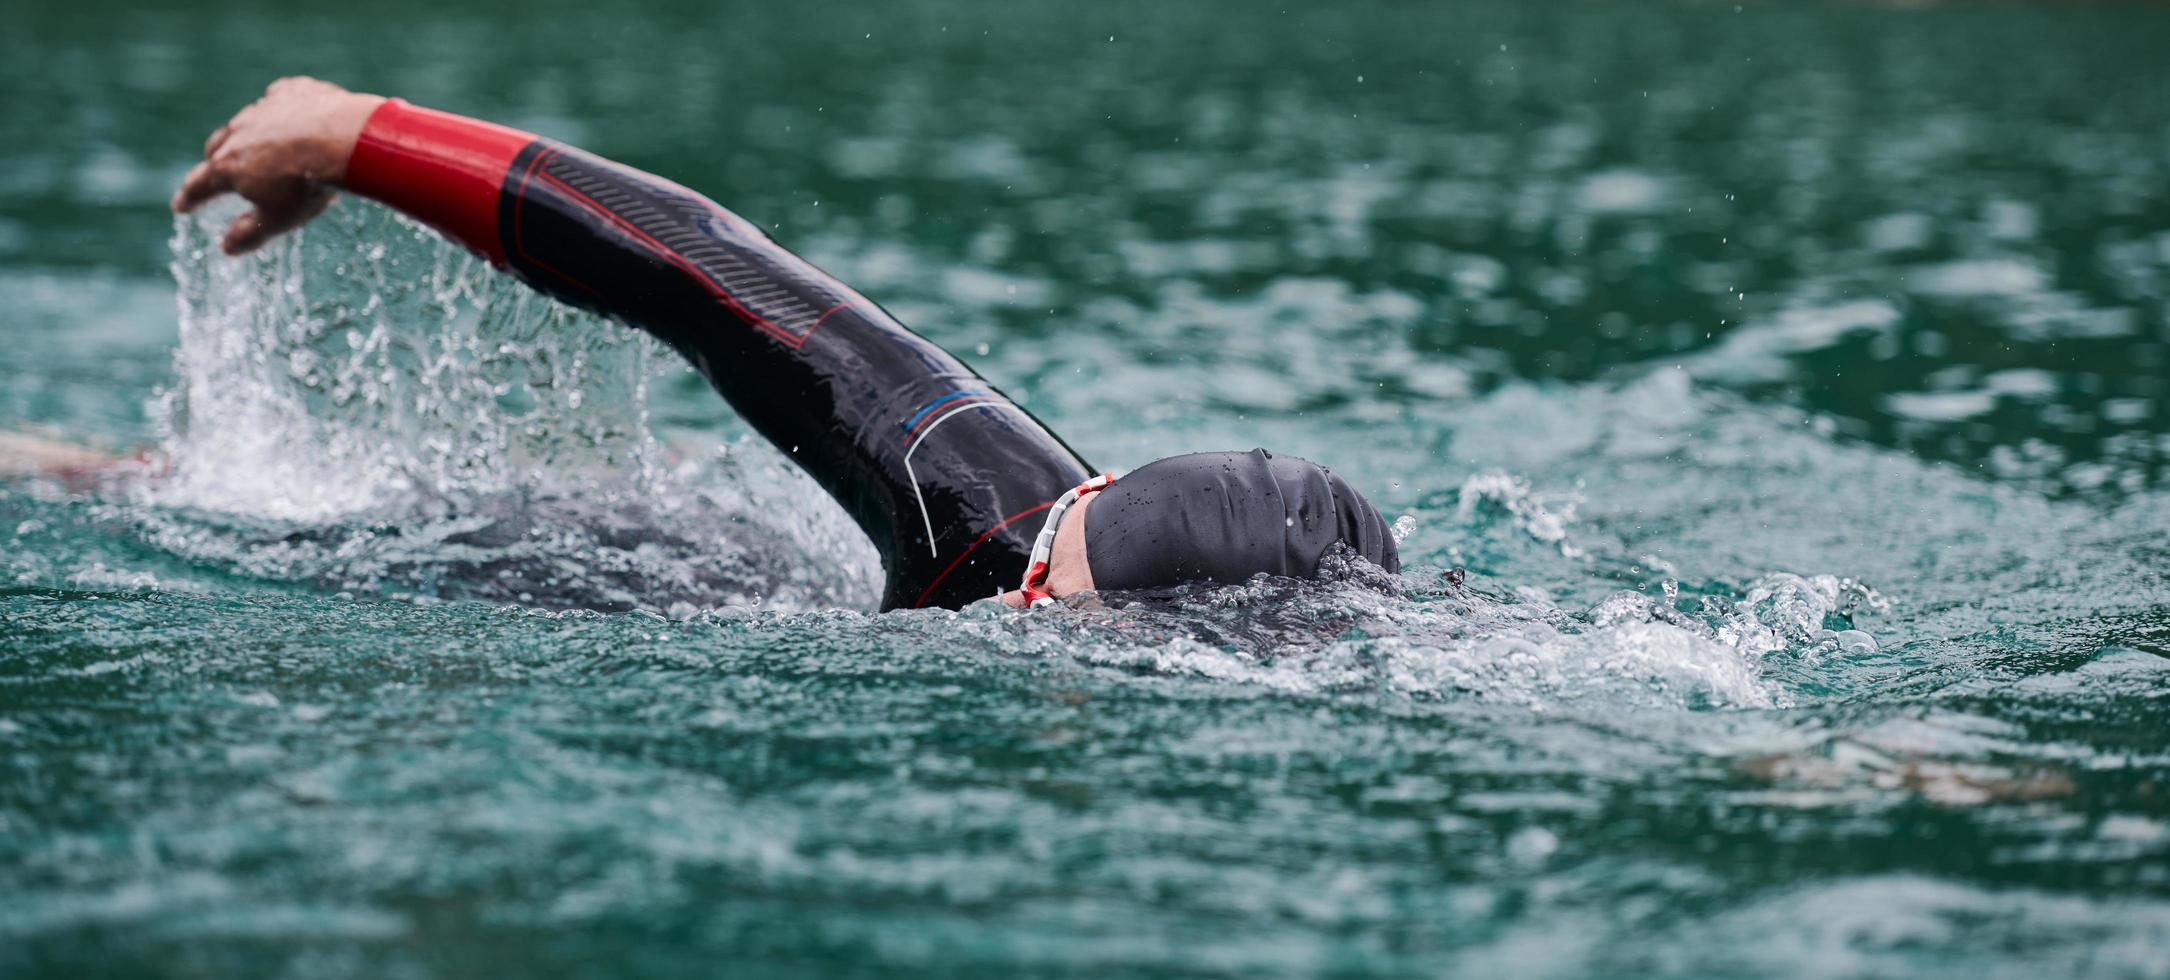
931 406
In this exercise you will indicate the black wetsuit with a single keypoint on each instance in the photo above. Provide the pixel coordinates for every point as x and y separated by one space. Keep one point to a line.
943 472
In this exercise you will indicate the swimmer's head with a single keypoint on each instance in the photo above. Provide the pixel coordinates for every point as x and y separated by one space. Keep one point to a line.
1212 517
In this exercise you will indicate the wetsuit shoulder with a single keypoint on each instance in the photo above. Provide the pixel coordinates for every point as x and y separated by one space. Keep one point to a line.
941 470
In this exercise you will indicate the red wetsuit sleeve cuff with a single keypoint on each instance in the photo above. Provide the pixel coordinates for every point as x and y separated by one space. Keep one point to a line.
442 169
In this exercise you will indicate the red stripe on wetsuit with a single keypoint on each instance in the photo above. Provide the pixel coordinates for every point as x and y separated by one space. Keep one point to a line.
444 169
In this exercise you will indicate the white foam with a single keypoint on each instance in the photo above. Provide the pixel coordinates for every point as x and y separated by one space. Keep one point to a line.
1622 192
1940 406
1757 350
1979 277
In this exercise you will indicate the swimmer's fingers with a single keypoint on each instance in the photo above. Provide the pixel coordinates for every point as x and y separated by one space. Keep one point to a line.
246 234
203 183
218 139
279 209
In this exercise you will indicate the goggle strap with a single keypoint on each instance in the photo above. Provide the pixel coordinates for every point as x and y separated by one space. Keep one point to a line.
1044 544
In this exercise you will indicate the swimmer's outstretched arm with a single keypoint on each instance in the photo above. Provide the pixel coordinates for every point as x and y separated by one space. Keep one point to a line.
941 470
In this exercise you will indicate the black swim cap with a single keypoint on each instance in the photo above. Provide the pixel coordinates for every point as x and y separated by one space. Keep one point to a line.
1224 517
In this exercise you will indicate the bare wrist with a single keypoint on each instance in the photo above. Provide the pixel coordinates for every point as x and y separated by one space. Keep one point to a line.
347 117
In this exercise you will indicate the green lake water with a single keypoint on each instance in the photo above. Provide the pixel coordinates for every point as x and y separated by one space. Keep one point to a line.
1776 395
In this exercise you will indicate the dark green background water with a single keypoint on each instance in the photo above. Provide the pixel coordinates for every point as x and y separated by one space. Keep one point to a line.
1789 380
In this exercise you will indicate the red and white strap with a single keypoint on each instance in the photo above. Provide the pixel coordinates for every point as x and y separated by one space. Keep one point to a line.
1035 586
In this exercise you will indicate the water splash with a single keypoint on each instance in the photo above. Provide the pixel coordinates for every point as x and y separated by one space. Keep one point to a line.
318 433
363 364
1543 516
367 408
1363 631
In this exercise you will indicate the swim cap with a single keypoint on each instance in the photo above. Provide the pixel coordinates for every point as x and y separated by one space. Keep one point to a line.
1224 517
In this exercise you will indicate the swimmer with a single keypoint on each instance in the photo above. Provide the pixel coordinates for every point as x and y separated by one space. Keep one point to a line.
964 493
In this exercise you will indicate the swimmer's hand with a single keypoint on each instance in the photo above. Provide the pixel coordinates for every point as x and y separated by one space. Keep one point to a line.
286 152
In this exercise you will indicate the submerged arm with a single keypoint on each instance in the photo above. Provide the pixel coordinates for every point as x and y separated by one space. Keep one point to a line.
942 471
